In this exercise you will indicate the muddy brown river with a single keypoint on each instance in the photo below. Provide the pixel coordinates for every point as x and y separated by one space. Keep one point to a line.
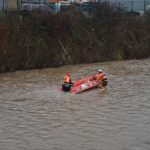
35 115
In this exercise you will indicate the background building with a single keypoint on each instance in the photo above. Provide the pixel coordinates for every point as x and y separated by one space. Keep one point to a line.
129 5
11 4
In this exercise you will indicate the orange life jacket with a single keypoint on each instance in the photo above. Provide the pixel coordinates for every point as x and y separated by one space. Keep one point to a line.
67 79
99 76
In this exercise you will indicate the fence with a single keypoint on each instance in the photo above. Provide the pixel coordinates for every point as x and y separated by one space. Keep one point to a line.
138 6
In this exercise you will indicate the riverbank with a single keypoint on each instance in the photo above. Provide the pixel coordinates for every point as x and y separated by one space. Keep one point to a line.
39 39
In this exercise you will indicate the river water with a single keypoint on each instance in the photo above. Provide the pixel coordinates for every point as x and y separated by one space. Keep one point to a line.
35 115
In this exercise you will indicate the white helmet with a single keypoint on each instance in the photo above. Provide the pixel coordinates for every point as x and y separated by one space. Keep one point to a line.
100 70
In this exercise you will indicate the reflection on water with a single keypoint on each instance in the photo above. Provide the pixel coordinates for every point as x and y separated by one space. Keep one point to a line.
34 115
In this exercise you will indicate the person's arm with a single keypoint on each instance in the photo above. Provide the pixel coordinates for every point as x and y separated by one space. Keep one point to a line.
100 83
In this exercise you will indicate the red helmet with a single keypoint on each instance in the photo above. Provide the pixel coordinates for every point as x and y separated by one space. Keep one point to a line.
68 74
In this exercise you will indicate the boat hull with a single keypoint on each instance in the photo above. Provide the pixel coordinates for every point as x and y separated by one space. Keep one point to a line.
79 82
84 87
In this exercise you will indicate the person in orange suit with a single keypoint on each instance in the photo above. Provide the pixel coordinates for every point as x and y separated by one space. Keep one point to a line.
101 78
66 86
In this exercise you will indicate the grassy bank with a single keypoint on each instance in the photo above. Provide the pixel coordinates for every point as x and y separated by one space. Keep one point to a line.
39 39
